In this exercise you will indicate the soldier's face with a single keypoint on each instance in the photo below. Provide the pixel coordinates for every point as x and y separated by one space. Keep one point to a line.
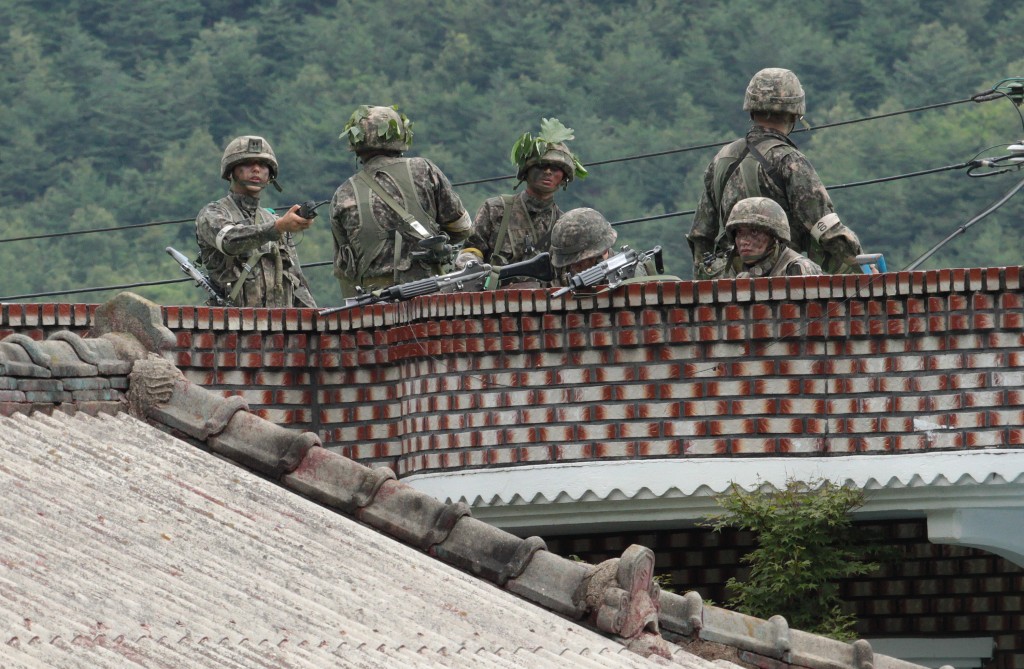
252 176
751 242
587 263
544 179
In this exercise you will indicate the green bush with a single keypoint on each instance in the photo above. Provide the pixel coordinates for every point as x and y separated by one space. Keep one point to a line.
805 544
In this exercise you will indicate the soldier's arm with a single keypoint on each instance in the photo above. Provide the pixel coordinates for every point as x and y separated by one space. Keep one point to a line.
479 242
451 214
216 228
342 222
704 229
810 204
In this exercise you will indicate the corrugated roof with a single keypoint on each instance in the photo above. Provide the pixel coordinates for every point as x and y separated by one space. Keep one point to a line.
121 545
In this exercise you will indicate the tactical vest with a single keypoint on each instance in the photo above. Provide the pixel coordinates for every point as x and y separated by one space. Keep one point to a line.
538 240
745 157
372 236
236 279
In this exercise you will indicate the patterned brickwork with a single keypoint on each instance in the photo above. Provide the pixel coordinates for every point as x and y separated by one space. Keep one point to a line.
814 365
926 590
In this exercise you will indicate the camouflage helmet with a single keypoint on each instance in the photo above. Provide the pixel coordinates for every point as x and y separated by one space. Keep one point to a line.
580 234
556 154
762 213
243 149
373 128
775 90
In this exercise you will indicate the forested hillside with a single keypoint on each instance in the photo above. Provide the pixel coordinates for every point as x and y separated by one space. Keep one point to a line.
115 113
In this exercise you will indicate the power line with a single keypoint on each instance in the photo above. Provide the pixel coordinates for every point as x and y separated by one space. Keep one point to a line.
980 97
655 217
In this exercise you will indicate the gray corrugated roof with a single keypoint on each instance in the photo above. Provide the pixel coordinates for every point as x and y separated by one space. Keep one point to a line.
121 545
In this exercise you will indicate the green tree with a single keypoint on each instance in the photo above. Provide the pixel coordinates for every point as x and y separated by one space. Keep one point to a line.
806 543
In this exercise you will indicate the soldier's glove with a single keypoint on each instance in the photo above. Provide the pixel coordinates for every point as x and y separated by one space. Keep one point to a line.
465 258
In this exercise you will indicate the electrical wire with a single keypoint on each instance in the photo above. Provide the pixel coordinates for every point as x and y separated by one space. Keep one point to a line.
985 96
674 214
992 94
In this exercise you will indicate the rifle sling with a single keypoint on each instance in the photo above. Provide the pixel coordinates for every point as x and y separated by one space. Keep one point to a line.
247 268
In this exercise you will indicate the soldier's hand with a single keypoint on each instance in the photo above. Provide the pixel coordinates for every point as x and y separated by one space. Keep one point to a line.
292 222
465 258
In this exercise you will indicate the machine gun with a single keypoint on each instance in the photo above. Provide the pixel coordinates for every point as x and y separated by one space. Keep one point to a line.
473 277
202 280
612 271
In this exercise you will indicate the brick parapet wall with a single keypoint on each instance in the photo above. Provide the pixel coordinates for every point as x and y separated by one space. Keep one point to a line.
802 366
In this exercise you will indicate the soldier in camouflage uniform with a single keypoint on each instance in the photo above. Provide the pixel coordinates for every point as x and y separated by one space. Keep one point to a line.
766 163
580 239
380 214
511 228
247 250
759 230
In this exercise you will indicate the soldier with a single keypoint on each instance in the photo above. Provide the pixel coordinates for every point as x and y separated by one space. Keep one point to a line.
580 239
511 228
759 230
381 213
248 251
766 163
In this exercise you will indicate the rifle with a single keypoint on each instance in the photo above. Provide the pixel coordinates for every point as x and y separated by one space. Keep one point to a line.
473 277
201 279
613 270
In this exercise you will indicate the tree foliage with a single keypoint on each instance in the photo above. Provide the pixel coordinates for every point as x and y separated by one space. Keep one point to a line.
805 545
116 113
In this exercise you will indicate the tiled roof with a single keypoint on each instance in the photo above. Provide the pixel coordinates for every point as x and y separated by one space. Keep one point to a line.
123 545
128 542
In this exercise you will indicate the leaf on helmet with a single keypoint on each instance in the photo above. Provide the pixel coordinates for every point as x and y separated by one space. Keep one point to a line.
524 148
581 172
553 132
352 129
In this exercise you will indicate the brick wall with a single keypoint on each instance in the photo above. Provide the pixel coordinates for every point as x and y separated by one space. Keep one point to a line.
812 365
925 590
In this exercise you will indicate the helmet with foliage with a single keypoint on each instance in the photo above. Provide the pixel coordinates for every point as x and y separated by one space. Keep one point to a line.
580 234
548 147
244 149
775 90
377 129
762 213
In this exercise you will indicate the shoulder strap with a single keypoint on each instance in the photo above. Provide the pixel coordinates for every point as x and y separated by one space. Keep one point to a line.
372 236
508 201
758 150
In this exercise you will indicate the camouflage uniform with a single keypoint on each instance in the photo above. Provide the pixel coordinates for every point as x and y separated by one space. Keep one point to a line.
780 260
785 176
365 226
530 219
584 234
529 227
231 229
434 194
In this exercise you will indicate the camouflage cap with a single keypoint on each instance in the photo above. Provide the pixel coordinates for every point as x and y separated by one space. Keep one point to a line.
759 212
580 234
246 148
775 90
373 128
